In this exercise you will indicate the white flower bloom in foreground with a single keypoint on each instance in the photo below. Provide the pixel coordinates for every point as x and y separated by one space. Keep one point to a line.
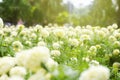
18 71
6 63
4 77
40 75
31 59
51 64
1 23
16 78
95 73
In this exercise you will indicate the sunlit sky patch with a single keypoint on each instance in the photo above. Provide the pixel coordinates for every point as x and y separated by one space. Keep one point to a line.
79 3
1 0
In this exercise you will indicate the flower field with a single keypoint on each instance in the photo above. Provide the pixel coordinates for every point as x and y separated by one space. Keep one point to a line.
59 53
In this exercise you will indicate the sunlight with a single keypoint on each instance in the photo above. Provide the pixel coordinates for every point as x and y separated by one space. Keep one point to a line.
79 3
1 0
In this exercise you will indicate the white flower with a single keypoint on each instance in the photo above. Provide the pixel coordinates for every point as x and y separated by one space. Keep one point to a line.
55 53
41 43
116 52
95 73
40 75
28 43
94 63
16 78
1 23
93 49
18 71
20 27
56 45
4 77
17 46
33 36
59 33
44 33
51 64
6 63
73 42
31 59
20 56
85 37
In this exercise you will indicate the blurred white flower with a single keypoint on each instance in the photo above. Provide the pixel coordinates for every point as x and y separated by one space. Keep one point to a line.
73 42
95 73
85 37
16 78
33 57
116 52
51 64
56 45
44 33
17 46
55 53
6 63
59 33
18 71
4 77
94 63
40 75
41 43
93 49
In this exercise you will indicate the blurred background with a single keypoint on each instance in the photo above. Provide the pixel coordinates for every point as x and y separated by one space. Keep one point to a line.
69 12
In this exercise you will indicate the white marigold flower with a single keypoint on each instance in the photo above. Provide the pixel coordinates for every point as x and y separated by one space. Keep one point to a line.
16 78
39 27
51 64
35 57
18 71
85 37
33 36
41 43
14 34
71 34
73 42
116 43
40 75
8 39
4 77
1 23
116 52
44 33
20 27
55 53
6 63
86 59
20 56
112 38
115 26
28 43
95 73
93 49
59 33
1 32
94 63
56 45
17 46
